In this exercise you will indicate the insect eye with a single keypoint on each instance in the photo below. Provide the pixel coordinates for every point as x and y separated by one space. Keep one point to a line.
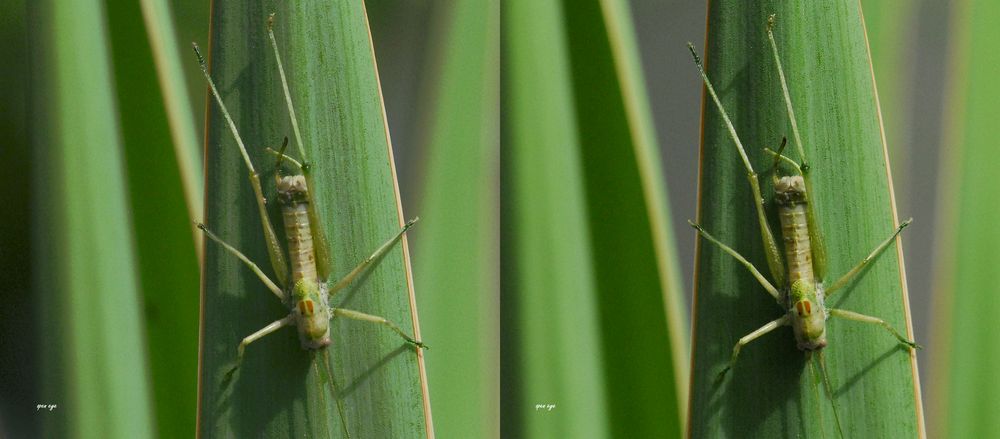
306 308
804 308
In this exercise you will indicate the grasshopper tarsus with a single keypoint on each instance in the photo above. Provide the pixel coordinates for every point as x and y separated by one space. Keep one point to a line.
697 59
197 52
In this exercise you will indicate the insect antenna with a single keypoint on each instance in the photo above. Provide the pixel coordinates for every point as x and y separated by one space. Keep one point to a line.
281 157
336 395
815 386
829 392
777 159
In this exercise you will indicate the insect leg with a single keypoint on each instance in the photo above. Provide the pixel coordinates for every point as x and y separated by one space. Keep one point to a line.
355 315
273 247
784 90
284 86
774 259
815 234
375 257
263 277
746 339
283 157
753 270
851 315
320 244
779 157
864 262
274 326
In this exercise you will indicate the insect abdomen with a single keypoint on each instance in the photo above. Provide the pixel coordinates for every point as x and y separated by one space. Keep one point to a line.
798 253
292 193
300 243
790 196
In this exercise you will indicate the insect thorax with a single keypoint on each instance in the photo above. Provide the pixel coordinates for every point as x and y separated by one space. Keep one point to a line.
808 315
312 314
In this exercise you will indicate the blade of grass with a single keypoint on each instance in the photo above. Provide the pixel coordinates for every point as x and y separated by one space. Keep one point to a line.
549 290
458 256
594 290
187 150
769 393
633 243
91 327
168 264
964 392
281 390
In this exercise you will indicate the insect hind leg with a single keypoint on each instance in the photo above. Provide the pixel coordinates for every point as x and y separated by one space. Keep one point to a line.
260 274
775 261
753 270
371 260
858 317
356 315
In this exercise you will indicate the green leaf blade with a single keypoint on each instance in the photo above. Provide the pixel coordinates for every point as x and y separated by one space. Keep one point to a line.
93 351
770 391
595 286
281 390
166 256
550 257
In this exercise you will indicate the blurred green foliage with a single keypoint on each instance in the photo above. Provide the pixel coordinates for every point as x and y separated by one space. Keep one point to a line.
457 244
964 393
594 340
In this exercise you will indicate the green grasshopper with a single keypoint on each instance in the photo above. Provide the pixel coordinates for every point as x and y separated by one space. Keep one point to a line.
306 288
800 271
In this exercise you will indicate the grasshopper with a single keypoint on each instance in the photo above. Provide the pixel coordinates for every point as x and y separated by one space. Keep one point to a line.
306 288
799 271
